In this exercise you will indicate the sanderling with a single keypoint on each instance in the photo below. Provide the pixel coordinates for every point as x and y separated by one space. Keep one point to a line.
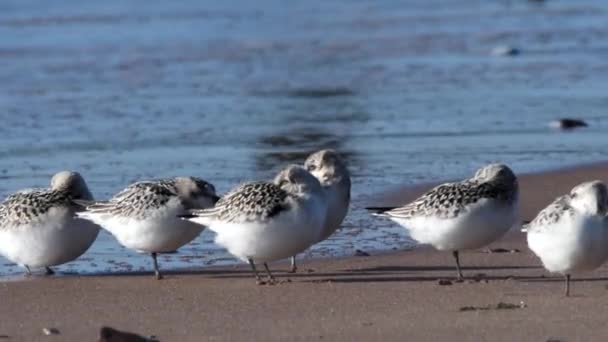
464 215
38 227
332 173
266 221
571 234
143 216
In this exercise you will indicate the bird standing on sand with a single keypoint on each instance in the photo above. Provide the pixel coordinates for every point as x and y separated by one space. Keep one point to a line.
571 234
463 215
38 227
260 222
332 173
143 216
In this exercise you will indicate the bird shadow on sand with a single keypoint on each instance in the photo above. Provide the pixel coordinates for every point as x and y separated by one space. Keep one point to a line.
560 279
365 275
387 279
401 274
441 268
383 274
392 273
470 276
142 273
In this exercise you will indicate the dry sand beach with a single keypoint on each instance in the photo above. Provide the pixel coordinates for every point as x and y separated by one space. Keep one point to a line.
389 296
409 92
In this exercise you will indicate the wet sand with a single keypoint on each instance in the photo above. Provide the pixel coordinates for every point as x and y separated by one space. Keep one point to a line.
393 296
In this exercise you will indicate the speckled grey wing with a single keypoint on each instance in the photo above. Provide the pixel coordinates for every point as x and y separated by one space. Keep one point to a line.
136 200
256 201
551 214
24 207
444 201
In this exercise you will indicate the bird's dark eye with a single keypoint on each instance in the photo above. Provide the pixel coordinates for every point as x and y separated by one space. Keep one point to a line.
312 167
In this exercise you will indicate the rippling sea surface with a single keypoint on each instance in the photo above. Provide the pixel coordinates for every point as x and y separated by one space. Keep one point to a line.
232 91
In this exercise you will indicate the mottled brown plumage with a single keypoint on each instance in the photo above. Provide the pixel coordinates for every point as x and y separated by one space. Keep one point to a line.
24 207
254 201
139 199
452 199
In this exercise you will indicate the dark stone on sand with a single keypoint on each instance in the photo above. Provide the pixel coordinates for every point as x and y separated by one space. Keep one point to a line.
503 250
476 281
498 250
320 92
505 51
444 282
361 253
50 331
107 334
507 306
499 306
567 123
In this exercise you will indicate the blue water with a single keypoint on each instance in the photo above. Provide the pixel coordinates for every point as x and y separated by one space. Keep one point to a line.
232 91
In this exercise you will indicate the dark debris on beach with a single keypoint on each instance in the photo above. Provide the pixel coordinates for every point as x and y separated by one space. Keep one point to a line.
499 306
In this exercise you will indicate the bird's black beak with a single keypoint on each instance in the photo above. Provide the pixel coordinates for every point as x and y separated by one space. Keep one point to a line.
215 198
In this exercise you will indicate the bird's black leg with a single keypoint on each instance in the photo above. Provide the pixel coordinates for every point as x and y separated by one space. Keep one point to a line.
294 268
156 270
255 272
456 257
270 277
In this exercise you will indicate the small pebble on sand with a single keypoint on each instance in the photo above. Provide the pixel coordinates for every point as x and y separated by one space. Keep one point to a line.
359 253
567 123
505 51
50 331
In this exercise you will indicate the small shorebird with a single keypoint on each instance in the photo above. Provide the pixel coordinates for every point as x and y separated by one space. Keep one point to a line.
571 234
260 222
464 215
143 216
38 227
332 173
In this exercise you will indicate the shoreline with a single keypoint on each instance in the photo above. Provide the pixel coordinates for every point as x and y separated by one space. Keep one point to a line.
392 295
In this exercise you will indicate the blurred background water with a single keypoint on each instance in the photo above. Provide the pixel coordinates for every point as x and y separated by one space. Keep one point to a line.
231 91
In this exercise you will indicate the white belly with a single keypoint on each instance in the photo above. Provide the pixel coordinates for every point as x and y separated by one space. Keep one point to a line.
482 225
570 245
161 231
337 208
285 235
55 239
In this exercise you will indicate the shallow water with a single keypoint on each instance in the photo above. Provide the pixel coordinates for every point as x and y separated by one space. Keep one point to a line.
232 91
